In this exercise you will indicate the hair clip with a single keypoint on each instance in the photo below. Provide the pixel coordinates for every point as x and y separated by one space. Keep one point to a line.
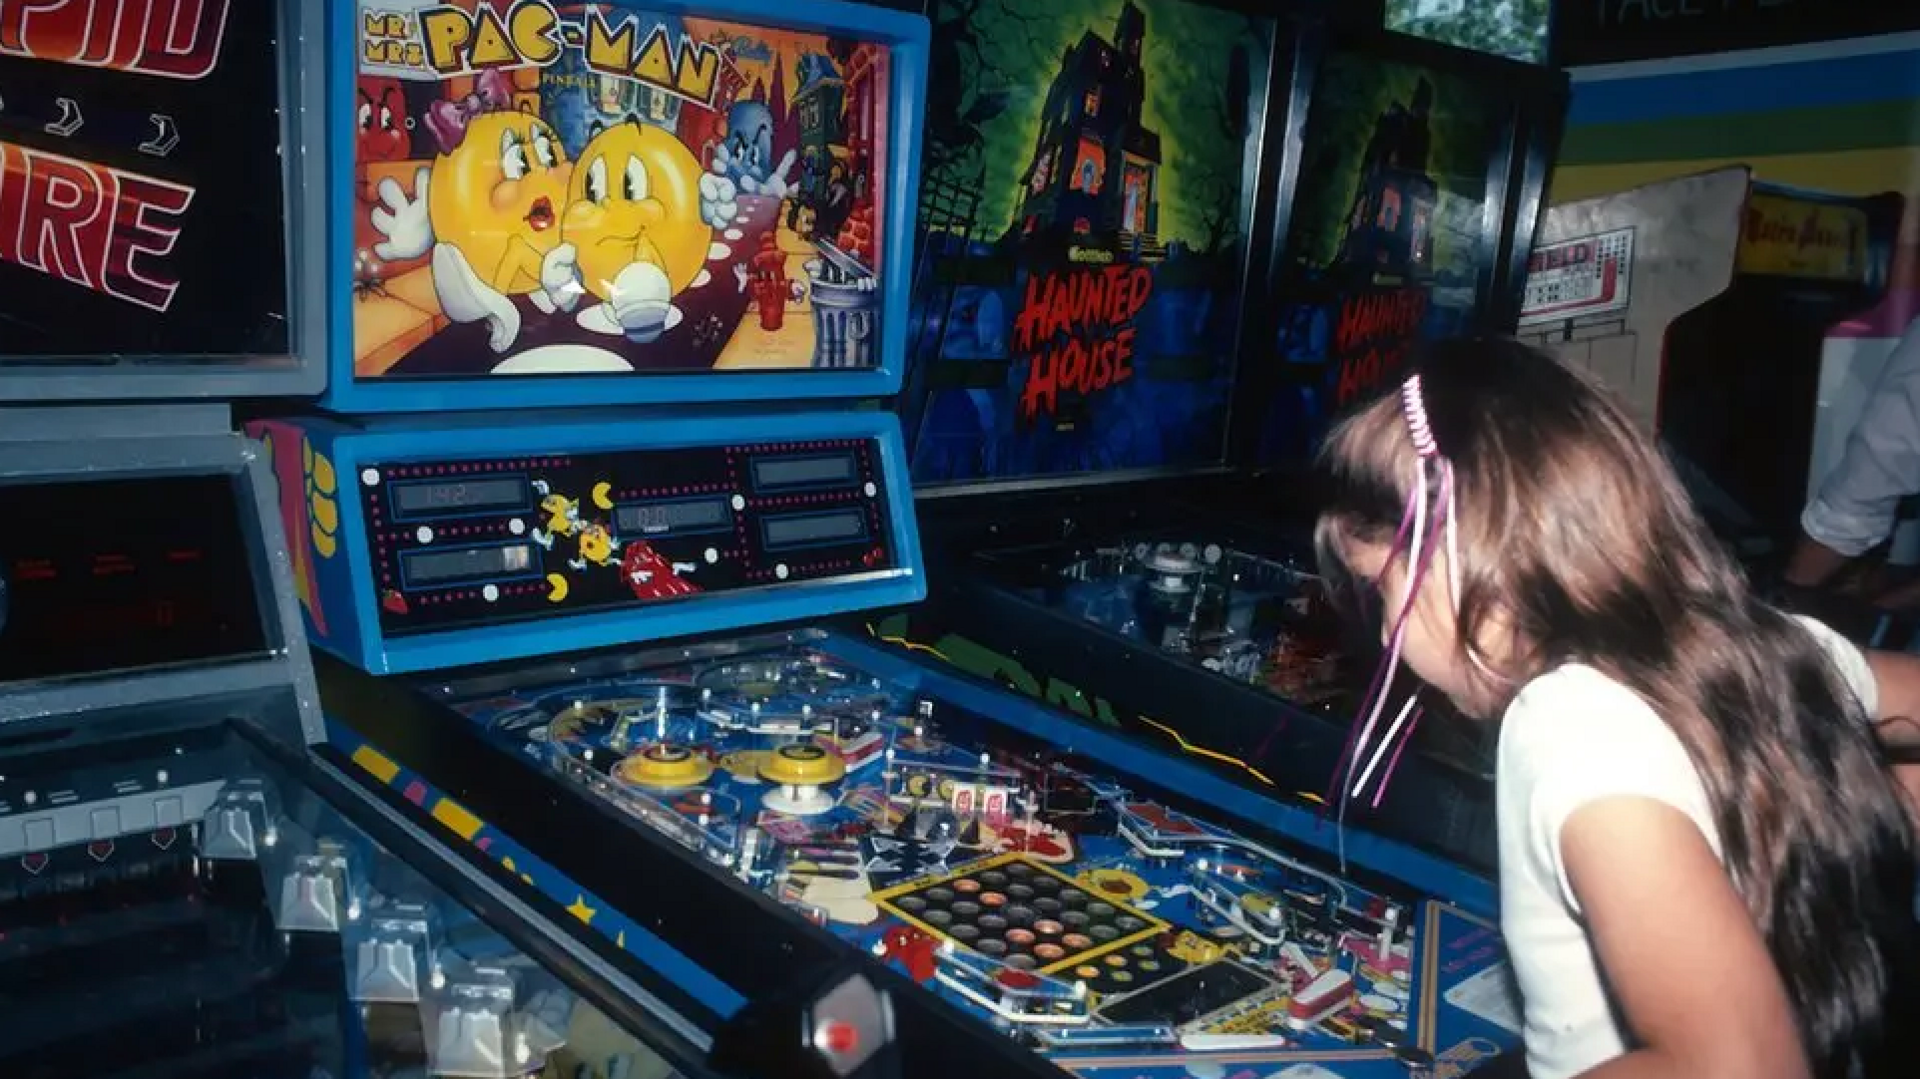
1414 404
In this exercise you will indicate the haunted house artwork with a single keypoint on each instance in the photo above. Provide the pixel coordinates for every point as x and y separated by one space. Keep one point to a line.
1390 228
1093 179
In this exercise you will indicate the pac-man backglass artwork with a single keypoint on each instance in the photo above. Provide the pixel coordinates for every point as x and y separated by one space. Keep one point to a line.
553 188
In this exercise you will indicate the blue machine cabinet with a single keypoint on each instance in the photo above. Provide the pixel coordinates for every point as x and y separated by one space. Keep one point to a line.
595 640
428 543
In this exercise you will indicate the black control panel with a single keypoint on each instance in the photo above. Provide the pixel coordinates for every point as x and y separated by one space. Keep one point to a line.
113 575
477 542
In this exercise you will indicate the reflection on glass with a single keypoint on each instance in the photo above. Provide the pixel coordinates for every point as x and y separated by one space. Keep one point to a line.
1260 620
262 934
1512 28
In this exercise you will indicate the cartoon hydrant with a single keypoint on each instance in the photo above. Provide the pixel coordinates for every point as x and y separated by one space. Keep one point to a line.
772 289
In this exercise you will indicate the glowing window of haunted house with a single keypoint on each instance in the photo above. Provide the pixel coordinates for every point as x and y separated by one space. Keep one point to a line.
1093 102
1091 167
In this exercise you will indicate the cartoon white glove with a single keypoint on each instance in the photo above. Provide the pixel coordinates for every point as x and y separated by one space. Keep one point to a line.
560 288
404 223
776 184
466 298
719 199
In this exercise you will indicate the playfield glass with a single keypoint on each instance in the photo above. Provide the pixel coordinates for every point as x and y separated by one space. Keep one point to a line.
1120 930
255 929
552 188
1259 618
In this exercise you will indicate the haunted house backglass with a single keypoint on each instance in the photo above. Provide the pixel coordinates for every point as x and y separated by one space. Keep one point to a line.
1086 192
1395 231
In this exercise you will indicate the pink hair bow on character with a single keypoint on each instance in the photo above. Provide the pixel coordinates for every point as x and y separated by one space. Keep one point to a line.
1417 536
448 120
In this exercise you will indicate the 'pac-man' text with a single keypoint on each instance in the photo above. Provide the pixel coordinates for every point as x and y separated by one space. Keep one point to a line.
453 40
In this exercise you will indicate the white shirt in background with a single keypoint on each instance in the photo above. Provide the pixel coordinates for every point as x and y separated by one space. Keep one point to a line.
1857 502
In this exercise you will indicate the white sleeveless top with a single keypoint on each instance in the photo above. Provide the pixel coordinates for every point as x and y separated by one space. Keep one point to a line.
1571 737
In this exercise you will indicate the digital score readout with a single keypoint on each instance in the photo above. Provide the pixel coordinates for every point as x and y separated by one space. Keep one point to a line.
428 568
162 574
811 529
680 517
463 496
814 470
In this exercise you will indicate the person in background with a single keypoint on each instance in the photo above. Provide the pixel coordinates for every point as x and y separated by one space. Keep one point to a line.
1858 501
1707 865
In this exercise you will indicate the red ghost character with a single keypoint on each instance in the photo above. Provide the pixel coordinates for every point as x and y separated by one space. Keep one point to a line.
384 131
651 576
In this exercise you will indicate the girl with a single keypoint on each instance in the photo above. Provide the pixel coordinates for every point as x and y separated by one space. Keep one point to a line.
1707 868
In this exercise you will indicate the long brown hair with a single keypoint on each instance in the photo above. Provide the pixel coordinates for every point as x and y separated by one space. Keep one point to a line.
1575 533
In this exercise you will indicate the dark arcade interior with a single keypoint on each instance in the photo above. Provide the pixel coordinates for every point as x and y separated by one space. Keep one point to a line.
728 538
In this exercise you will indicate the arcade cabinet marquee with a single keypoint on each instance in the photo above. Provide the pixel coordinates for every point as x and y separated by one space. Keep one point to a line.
154 165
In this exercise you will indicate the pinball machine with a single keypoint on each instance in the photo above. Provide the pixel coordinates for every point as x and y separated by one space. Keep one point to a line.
191 882
1160 581
587 583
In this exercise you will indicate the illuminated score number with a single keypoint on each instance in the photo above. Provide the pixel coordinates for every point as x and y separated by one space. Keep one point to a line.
476 495
656 517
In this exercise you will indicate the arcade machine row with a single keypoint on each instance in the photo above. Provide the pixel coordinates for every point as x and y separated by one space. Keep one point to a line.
1741 380
1151 603
189 882
1705 303
590 644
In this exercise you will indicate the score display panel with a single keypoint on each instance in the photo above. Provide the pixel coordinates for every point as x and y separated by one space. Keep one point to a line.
153 178
548 204
162 563
417 546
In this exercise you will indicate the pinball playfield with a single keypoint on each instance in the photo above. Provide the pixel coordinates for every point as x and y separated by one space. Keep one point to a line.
1114 929
1251 613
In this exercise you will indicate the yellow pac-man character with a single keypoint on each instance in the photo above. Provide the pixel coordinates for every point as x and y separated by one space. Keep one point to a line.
489 210
497 197
633 220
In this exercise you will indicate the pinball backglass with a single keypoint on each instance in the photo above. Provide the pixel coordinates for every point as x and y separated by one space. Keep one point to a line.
157 179
1085 213
1421 175
544 192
